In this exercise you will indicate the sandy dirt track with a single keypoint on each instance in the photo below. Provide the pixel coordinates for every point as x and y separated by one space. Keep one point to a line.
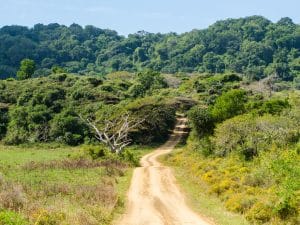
154 197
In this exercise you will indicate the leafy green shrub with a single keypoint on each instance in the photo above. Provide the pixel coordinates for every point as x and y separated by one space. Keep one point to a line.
274 106
82 93
201 120
229 104
250 135
129 156
12 218
239 203
203 145
68 127
60 77
285 169
146 82
231 77
260 213
96 152
18 127
95 81
159 119
3 121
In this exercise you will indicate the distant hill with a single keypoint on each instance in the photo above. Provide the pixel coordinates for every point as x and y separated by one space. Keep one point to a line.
253 46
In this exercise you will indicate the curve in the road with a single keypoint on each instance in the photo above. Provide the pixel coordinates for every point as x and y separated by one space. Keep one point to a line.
154 197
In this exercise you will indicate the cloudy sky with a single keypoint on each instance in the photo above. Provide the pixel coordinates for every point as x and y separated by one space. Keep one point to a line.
130 16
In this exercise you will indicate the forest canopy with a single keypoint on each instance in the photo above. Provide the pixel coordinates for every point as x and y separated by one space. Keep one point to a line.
253 46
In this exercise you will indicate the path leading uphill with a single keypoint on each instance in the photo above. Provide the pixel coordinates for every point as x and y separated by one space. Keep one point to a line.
154 197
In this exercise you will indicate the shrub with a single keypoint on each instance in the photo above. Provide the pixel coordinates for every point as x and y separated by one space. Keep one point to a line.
96 152
229 104
204 146
274 106
60 77
12 218
260 213
249 135
285 169
3 121
68 128
201 120
94 81
239 203
130 157
231 77
222 186
146 82
159 119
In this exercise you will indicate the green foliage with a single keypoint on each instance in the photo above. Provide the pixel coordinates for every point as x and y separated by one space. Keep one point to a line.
68 128
201 120
102 152
146 83
26 70
274 106
286 171
252 46
260 213
3 121
229 104
159 118
96 152
11 218
213 63
250 135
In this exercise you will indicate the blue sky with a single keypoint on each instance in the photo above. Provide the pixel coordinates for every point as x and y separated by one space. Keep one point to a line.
129 16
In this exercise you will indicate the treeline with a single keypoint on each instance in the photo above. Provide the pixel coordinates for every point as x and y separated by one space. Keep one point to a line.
252 46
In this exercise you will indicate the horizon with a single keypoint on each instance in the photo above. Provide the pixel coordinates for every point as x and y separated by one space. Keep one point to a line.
132 16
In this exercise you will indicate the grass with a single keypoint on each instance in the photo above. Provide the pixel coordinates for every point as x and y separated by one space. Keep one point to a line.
207 205
48 184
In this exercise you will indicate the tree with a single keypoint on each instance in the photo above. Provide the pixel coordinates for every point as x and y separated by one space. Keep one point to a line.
26 70
213 63
115 132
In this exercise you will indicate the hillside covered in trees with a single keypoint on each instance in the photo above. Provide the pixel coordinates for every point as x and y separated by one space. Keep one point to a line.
253 46
237 82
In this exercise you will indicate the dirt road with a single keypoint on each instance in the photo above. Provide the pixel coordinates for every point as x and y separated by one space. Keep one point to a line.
154 197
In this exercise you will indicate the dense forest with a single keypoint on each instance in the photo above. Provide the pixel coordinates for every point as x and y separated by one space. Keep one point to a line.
252 46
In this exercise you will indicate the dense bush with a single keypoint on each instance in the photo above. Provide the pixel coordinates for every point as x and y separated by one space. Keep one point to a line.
68 128
146 82
12 218
229 104
201 120
274 106
249 134
159 119
3 121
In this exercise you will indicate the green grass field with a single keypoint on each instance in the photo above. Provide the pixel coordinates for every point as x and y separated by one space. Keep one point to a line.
53 185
